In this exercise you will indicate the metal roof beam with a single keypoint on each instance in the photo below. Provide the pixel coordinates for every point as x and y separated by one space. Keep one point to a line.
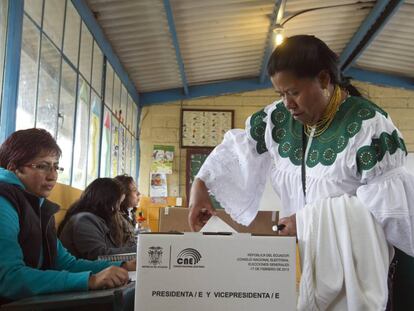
173 32
380 78
278 11
379 16
212 89
252 84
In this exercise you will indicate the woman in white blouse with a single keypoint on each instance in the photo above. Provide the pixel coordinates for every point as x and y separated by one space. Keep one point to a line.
322 148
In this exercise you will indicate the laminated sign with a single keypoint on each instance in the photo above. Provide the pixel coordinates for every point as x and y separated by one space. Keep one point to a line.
229 272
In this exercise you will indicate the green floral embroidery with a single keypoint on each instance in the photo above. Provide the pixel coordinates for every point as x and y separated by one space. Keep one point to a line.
287 132
257 130
369 156
346 124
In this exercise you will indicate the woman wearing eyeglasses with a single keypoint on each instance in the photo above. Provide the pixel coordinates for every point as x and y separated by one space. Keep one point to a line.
32 259
93 225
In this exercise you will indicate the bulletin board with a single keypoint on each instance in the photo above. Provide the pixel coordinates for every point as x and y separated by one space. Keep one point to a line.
194 161
204 128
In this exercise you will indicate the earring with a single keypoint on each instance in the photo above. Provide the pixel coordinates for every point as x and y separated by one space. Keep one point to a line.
326 93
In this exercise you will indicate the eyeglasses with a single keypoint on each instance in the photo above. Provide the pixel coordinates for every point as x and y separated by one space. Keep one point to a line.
46 168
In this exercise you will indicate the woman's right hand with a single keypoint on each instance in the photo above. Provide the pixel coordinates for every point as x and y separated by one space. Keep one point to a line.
110 277
130 265
289 223
200 206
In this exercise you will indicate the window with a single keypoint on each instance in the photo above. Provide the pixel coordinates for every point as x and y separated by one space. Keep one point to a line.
53 20
66 118
97 68
116 99
71 35
29 59
34 9
115 146
109 85
85 61
134 120
81 136
3 28
121 157
62 81
128 152
118 150
106 144
94 135
123 108
134 157
129 116
49 75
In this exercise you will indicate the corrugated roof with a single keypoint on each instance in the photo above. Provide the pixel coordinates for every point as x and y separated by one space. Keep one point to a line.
168 45
334 25
139 34
222 40
392 51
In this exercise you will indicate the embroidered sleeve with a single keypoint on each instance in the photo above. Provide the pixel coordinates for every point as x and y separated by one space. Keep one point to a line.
380 148
236 171
256 127
370 155
388 189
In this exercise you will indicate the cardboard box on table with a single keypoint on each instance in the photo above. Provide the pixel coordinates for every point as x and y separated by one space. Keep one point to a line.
176 219
195 271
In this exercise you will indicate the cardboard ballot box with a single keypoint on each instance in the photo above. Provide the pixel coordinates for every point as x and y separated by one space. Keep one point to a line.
176 219
195 271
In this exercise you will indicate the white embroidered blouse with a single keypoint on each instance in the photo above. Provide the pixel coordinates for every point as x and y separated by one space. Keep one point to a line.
362 154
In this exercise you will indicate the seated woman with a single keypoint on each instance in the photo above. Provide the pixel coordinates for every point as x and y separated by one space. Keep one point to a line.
33 261
92 226
129 204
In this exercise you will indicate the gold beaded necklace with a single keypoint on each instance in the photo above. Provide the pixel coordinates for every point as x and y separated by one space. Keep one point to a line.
328 116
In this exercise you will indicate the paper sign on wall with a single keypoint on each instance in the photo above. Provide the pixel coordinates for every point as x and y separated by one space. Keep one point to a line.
162 159
158 185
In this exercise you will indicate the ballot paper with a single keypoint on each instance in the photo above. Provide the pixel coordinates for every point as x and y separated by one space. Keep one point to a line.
215 224
132 275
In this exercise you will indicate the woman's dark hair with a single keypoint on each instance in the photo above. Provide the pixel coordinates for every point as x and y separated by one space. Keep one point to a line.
100 198
125 181
23 146
306 56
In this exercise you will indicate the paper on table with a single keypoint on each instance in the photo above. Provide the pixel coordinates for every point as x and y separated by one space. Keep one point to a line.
215 224
132 275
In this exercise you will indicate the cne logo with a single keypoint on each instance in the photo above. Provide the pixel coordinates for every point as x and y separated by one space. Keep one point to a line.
188 256
155 255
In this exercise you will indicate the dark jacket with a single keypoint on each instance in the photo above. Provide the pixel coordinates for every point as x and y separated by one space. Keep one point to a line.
26 249
37 226
87 236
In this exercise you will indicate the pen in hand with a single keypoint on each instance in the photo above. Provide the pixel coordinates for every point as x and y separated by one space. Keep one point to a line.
278 227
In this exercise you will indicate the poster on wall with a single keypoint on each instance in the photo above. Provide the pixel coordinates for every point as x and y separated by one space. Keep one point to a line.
204 128
162 159
158 185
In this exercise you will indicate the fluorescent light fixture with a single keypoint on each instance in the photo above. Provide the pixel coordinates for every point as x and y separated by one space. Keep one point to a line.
278 35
